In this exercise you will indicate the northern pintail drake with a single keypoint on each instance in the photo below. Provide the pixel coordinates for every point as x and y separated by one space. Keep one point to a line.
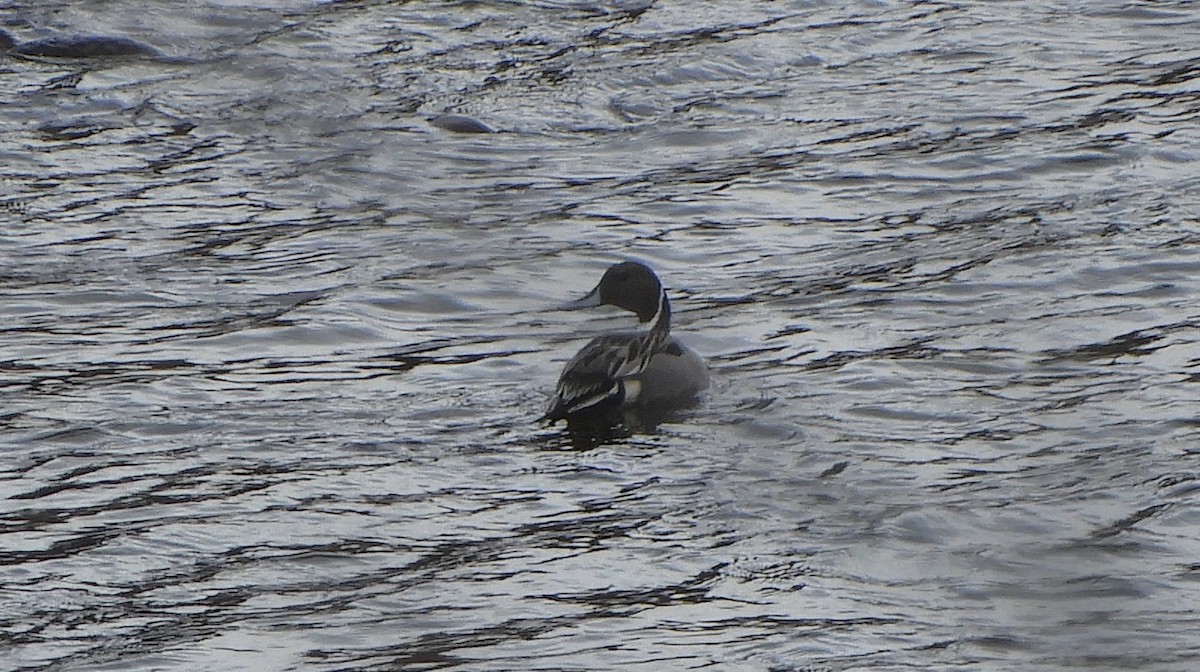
647 368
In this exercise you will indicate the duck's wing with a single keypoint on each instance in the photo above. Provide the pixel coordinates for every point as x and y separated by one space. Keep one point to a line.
594 375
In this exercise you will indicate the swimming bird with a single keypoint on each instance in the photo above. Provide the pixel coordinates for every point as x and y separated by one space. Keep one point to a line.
648 368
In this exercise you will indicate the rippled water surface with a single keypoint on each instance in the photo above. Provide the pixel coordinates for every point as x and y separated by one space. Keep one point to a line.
273 345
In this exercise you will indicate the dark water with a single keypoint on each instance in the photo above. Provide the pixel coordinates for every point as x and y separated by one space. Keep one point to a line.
272 344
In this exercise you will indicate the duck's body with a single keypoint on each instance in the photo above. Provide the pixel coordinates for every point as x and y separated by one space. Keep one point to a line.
643 368
675 374
600 377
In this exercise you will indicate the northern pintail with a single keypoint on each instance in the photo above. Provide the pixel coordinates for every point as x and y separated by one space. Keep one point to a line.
645 368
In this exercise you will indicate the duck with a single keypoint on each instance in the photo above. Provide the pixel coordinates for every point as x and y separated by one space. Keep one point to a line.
649 369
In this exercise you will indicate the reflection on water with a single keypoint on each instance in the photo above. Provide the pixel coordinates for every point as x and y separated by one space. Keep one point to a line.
275 338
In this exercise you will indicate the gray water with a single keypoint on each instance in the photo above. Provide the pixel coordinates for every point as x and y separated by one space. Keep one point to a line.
272 345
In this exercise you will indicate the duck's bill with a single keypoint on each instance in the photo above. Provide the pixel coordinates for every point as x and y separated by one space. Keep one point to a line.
591 300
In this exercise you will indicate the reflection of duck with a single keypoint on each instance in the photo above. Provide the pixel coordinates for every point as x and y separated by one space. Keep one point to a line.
76 46
649 369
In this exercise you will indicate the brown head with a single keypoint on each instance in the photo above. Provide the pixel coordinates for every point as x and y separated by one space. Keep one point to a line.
628 285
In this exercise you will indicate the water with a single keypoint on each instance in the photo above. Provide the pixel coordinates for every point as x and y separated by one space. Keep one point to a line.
272 344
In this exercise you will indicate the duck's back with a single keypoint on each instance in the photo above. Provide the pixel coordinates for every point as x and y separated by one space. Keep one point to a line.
593 377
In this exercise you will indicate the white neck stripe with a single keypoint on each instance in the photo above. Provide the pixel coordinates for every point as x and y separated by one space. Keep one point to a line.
662 301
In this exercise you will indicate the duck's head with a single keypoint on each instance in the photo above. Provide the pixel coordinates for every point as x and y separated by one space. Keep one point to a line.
628 285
